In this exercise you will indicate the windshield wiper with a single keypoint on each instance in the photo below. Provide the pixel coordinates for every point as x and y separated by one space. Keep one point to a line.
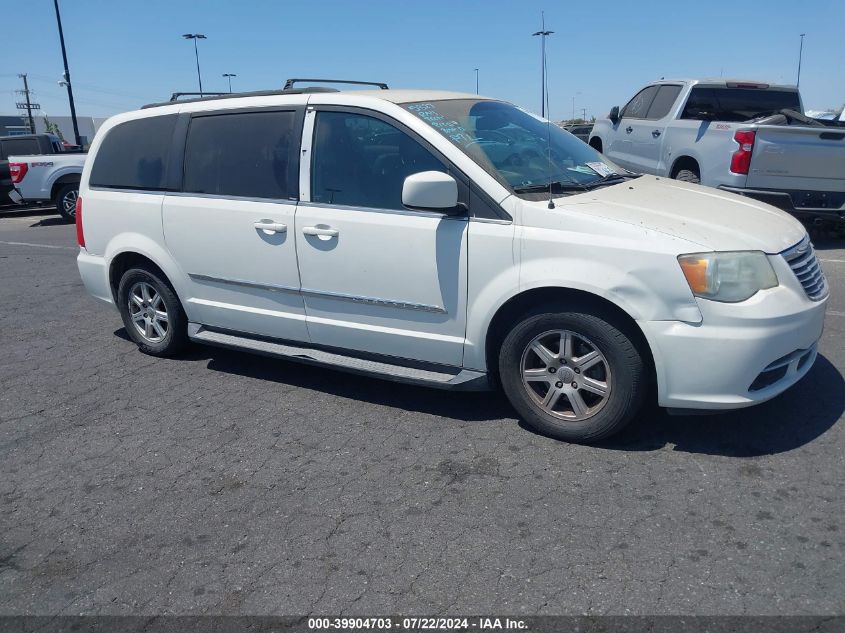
555 185
608 179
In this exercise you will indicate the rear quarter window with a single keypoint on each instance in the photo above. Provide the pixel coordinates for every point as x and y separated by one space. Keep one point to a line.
135 155
738 104
19 147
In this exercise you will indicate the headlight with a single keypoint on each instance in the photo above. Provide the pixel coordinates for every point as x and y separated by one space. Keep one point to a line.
730 276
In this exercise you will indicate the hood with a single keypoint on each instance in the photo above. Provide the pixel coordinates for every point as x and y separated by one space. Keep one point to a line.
717 220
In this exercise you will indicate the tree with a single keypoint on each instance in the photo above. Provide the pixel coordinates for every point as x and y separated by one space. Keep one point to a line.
52 128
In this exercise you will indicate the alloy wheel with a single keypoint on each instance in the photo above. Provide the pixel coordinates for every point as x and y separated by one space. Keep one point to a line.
566 375
68 202
148 312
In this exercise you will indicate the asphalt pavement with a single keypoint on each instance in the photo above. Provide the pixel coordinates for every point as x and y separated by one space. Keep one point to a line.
222 482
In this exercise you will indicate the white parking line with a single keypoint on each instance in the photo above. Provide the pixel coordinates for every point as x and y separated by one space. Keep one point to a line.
836 313
63 248
833 261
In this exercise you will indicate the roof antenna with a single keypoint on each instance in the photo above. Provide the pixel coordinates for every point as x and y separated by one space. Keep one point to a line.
551 204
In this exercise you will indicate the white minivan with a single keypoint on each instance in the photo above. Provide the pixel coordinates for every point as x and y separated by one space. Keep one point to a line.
447 240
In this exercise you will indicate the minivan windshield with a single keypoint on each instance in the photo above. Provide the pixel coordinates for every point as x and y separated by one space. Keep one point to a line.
521 150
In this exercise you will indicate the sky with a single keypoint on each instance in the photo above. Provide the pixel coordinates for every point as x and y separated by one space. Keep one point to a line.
124 53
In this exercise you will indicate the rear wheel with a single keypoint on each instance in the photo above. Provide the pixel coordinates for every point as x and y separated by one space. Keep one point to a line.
574 376
151 313
65 201
688 175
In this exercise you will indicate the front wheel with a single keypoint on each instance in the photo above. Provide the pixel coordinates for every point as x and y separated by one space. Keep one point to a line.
65 201
575 376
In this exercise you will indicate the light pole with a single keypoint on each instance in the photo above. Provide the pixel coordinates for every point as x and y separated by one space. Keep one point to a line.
476 81
573 105
77 140
800 53
195 37
229 77
543 33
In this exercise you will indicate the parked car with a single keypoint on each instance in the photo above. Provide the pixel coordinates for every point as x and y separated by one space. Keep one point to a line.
581 130
448 240
745 137
22 144
48 178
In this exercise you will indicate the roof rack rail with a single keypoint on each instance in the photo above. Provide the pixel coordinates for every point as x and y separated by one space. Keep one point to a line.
176 95
234 95
290 82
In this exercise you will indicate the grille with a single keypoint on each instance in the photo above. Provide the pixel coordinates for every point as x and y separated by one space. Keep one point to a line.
802 260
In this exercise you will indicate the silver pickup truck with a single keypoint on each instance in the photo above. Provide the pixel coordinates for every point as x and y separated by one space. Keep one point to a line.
746 137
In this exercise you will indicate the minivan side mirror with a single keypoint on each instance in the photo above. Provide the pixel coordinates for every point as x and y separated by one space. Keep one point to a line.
614 114
430 191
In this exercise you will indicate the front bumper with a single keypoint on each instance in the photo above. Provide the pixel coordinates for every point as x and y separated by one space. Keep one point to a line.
740 354
820 207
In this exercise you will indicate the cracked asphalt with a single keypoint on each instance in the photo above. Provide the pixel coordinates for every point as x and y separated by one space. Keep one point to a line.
228 483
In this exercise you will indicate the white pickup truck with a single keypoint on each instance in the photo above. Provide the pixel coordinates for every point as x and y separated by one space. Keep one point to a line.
53 177
745 137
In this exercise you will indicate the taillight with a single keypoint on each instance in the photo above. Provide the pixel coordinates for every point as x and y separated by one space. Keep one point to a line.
18 171
741 159
80 235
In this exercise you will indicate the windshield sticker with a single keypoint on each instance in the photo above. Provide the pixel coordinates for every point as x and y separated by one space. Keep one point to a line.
600 168
449 128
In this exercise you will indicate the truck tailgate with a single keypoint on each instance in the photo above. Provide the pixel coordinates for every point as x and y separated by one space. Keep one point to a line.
798 158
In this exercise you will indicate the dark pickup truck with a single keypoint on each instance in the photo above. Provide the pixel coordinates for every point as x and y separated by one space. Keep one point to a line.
22 145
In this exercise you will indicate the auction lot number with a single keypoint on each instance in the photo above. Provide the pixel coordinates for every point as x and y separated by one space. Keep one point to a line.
388 623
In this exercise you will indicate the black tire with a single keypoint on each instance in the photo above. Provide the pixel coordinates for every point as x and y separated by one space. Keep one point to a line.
595 143
176 332
627 378
688 175
65 201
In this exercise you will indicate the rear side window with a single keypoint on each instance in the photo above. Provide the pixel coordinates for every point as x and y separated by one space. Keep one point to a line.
244 154
738 104
20 147
663 102
637 107
134 155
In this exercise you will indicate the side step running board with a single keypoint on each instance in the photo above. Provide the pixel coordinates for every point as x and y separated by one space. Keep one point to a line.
464 379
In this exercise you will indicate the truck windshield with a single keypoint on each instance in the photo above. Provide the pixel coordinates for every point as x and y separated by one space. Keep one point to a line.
517 148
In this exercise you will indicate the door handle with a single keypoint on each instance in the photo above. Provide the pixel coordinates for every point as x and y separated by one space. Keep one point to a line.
270 227
629 129
655 133
322 232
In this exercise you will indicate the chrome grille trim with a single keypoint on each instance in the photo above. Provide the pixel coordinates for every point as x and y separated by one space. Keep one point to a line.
803 262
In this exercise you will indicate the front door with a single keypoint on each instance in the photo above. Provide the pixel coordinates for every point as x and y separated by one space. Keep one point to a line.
376 277
232 228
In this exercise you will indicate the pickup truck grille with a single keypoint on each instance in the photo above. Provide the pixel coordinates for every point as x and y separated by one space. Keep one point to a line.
802 260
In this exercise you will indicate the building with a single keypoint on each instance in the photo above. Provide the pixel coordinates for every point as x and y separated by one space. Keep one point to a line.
16 124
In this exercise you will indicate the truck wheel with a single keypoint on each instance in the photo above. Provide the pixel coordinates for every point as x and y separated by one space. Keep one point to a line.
65 201
152 313
688 175
574 376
